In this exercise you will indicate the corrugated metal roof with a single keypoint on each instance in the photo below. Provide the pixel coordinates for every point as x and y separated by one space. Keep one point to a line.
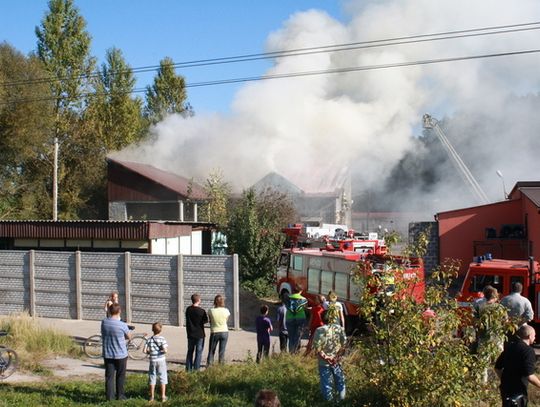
176 183
95 229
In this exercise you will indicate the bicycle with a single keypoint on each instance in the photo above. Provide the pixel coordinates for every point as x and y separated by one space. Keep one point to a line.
8 360
92 346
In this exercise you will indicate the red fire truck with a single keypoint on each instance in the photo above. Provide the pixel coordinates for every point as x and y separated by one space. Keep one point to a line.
501 274
330 268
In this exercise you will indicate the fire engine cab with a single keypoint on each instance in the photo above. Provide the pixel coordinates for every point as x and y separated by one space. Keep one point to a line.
501 274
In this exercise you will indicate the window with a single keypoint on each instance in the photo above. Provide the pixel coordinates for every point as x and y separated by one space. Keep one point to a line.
342 281
314 276
327 282
297 263
479 281
284 259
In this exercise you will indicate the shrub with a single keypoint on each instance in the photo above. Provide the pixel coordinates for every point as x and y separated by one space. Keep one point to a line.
413 357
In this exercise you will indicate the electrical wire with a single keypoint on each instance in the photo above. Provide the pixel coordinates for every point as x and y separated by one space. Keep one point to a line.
420 38
306 73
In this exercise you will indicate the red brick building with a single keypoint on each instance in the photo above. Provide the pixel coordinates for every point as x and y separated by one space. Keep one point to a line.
508 230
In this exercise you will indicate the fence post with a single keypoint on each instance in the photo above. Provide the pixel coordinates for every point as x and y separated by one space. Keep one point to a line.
78 284
236 292
180 288
32 282
127 285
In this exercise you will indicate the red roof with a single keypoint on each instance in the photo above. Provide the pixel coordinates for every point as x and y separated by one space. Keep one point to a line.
176 183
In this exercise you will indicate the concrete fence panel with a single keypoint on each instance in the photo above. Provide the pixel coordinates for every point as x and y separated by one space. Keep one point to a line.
75 285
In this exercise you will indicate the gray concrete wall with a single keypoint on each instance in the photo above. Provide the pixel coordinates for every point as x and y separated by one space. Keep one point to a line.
75 285
431 258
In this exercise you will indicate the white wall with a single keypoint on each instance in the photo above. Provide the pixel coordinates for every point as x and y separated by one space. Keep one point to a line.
185 244
196 242
159 246
173 245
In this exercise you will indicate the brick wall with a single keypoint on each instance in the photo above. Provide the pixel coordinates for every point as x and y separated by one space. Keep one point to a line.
75 285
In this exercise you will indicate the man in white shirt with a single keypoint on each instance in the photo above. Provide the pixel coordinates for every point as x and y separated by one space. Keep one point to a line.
519 307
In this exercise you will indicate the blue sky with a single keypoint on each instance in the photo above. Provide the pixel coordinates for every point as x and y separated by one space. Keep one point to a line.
147 31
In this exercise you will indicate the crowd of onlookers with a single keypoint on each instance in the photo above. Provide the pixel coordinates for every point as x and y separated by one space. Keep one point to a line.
516 363
326 338
515 366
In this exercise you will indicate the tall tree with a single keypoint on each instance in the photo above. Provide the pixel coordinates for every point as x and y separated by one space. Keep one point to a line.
167 95
254 232
116 115
63 47
25 110
216 207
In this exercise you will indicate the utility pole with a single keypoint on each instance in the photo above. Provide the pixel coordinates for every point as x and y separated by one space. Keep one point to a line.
464 172
55 180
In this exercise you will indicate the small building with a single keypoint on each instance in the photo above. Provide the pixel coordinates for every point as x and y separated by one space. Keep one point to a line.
328 206
508 229
142 192
156 237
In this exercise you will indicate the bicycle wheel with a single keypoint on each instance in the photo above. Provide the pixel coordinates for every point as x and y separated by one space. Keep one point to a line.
8 362
136 346
93 347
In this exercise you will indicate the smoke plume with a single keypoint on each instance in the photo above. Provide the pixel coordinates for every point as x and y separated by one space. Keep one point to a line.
308 129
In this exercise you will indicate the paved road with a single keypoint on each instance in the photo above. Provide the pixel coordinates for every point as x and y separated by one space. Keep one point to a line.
241 343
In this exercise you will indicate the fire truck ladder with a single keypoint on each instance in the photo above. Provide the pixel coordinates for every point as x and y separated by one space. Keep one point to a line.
464 172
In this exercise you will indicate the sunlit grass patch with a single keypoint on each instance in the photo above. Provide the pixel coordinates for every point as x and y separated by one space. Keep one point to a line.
34 343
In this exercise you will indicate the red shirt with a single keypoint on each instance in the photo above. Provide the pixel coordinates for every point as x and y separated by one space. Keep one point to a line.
316 320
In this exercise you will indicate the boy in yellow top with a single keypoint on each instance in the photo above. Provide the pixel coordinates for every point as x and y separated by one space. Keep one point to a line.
219 331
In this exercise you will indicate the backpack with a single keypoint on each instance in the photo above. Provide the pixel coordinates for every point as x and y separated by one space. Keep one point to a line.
296 305
332 314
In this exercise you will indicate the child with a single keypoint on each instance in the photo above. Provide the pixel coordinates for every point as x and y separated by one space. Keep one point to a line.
264 327
156 347
113 299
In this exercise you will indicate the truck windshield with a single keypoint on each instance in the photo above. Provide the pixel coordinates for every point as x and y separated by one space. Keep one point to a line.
479 281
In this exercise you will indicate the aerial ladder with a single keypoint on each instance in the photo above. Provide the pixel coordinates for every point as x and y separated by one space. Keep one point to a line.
463 170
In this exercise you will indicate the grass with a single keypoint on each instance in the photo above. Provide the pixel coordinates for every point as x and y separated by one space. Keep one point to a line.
293 378
34 343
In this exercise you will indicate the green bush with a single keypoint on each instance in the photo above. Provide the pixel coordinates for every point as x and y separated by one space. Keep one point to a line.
413 357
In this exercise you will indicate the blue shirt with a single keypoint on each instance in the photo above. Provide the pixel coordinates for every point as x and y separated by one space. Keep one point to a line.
113 335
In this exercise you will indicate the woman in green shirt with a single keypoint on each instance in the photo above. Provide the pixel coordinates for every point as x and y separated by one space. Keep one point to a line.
219 331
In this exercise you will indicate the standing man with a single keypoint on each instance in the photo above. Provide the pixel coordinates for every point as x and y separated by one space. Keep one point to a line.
296 318
114 333
519 307
515 367
329 343
196 317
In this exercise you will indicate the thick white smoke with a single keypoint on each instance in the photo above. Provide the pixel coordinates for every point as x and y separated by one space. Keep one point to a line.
308 128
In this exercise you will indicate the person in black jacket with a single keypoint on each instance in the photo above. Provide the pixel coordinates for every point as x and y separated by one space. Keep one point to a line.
515 367
196 317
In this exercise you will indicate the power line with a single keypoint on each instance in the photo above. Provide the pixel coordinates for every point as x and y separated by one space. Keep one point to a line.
309 73
473 32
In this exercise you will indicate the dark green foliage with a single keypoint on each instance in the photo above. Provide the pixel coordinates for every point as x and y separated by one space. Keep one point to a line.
254 233
167 95
413 357
116 115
